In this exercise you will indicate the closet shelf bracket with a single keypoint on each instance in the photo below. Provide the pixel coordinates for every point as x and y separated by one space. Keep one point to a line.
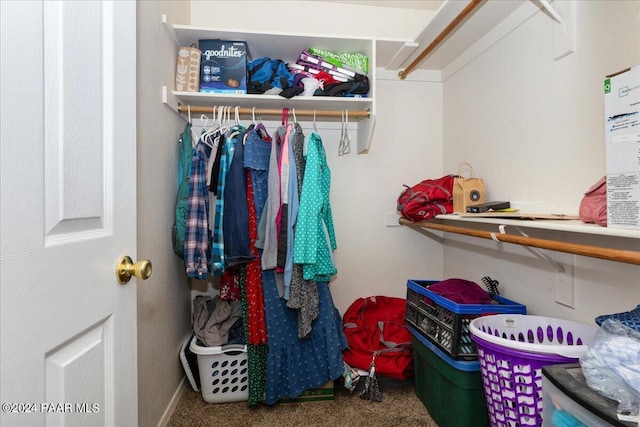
170 29
542 253
171 106
554 14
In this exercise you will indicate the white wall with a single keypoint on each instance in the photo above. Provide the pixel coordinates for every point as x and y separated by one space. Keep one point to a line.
373 259
533 128
163 300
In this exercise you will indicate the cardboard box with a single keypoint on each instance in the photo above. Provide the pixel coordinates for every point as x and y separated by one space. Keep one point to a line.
223 66
622 138
320 394
188 69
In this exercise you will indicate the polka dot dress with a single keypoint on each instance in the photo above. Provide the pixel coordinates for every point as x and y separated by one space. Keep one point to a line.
315 236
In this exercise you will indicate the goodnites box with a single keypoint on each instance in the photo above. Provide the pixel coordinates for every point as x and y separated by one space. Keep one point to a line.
622 137
223 66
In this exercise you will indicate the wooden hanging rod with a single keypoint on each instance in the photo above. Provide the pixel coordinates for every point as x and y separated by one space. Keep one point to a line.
465 12
619 255
278 112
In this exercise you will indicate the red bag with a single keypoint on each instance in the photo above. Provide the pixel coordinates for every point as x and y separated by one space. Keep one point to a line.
377 324
593 206
427 199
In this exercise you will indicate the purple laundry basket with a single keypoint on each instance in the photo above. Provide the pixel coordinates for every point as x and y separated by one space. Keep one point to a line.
512 349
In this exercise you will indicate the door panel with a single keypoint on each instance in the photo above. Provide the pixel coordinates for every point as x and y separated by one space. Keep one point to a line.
77 55
68 153
69 372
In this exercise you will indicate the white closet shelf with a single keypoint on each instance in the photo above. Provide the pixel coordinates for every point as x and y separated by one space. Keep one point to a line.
273 101
570 226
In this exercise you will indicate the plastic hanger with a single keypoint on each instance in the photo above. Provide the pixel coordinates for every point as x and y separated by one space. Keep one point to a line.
223 119
345 139
208 131
295 119
194 136
204 123
315 129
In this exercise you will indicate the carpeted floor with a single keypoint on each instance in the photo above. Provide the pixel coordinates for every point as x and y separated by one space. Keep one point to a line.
399 407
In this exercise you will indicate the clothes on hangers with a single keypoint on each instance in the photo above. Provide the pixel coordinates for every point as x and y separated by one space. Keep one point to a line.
281 217
315 237
236 213
270 249
271 242
303 294
226 157
257 152
256 326
289 214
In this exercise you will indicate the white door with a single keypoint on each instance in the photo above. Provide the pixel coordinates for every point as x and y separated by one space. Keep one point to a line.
68 212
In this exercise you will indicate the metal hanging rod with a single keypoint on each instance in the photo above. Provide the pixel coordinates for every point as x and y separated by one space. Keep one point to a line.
619 255
278 112
466 11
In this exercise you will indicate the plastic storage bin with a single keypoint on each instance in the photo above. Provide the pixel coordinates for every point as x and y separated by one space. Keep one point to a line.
567 398
630 319
512 349
223 372
451 390
445 322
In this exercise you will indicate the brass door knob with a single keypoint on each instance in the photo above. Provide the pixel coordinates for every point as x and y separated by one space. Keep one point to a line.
126 268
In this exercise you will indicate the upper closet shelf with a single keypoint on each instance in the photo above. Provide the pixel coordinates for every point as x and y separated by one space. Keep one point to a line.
271 101
287 46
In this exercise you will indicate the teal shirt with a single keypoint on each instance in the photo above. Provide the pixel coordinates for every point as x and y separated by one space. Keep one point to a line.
315 237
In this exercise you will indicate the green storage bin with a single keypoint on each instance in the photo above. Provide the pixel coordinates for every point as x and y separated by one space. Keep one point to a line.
451 390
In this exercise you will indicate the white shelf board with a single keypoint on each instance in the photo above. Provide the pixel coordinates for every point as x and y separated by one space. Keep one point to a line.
273 101
285 46
571 226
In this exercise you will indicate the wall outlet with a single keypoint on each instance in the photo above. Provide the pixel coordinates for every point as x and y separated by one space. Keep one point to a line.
564 286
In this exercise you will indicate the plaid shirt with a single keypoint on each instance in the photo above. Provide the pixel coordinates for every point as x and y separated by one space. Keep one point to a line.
197 236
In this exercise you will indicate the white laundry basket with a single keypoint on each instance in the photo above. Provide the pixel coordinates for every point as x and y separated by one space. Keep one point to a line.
223 372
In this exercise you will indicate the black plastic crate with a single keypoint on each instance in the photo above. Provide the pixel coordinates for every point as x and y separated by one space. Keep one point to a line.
445 322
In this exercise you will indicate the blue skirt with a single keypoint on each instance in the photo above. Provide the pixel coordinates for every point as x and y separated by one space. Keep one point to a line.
293 364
